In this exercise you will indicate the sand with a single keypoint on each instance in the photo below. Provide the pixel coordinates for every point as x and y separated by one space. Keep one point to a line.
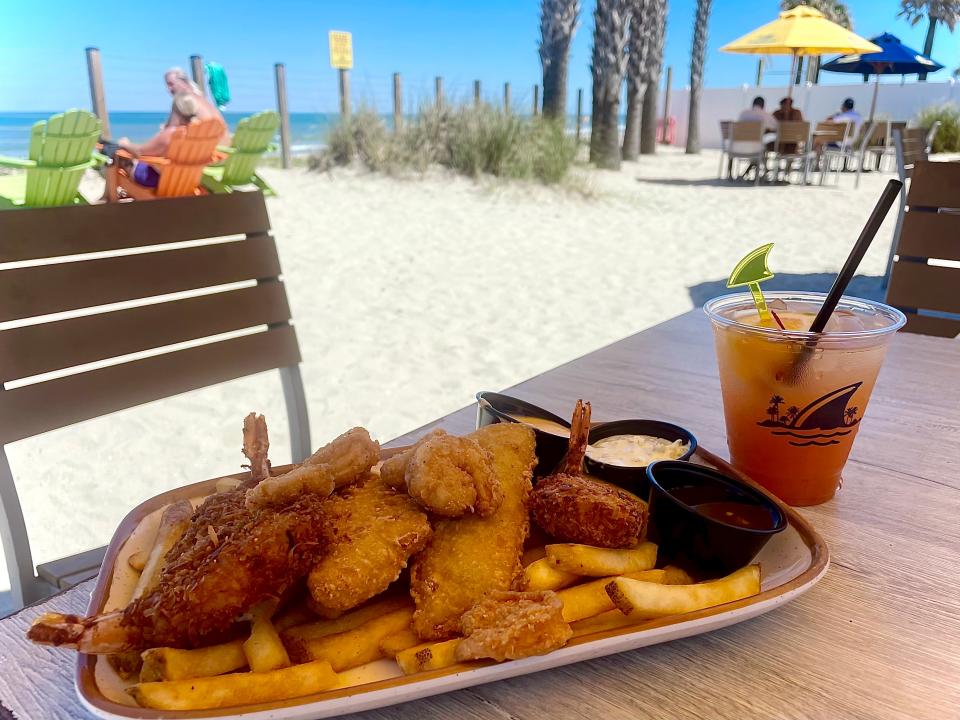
410 295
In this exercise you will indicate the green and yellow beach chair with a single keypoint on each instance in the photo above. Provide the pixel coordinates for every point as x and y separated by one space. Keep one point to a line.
61 149
252 139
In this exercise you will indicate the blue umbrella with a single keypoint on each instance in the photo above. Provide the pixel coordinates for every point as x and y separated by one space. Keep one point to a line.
894 59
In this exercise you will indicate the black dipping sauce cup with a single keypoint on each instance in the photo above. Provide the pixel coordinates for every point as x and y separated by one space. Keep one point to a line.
633 478
495 408
704 546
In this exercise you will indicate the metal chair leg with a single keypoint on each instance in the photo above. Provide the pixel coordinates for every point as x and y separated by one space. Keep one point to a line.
296 402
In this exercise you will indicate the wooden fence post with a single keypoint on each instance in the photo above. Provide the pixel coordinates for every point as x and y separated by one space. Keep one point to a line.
97 98
476 92
196 69
536 100
344 93
281 77
579 112
438 91
397 103
666 106
506 97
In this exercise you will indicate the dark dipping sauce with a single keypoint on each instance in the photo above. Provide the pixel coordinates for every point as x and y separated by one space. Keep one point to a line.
746 515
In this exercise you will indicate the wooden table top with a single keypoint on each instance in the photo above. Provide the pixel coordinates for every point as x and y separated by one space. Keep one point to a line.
878 637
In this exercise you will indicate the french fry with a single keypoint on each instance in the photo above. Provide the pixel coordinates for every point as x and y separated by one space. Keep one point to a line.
609 620
601 562
173 523
263 649
138 560
173 664
355 647
591 598
126 664
652 600
429 656
677 576
236 689
542 575
347 621
227 484
398 641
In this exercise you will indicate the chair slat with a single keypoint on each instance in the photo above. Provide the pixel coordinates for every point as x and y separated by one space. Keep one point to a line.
935 184
33 409
34 234
931 235
46 347
928 287
929 325
44 289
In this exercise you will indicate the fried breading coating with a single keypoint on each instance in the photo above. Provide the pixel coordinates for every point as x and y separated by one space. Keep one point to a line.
452 476
256 443
376 530
339 463
513 625
574 508
581 510
471 555
394 468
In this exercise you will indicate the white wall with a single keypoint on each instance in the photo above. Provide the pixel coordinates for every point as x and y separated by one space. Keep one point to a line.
816 102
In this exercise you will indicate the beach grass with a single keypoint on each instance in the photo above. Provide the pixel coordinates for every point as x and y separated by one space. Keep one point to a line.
471 140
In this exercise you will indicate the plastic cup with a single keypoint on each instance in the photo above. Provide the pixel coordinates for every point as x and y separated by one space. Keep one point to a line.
793 400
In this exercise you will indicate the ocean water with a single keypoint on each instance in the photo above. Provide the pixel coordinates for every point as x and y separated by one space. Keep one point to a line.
307 130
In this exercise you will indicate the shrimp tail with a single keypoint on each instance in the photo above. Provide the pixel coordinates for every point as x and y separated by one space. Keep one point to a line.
579 437
98 635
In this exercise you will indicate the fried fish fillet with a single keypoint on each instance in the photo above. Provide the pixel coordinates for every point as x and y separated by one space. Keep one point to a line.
513 625
471 555
376 531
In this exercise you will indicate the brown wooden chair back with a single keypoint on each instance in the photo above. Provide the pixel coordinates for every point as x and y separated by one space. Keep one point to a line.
725 130
76 258
928 294
793 132
746 132
831 132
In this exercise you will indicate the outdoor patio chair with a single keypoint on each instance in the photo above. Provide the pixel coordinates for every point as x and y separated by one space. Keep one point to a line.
925 293
192 148
44 284
61 149
910 147
746 143
792 145
850 149
879 144
253 138
931 136
724 142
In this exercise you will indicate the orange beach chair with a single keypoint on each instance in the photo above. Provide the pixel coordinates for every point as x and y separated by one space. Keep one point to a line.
192 148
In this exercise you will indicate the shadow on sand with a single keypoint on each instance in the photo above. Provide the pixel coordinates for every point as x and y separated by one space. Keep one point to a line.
862 286
6 603
703 182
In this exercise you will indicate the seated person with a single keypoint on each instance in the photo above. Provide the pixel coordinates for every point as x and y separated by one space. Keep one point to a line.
178 83
184 111
787 113
847 115
756 113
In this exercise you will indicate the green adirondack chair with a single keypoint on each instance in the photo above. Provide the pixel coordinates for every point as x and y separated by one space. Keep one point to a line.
251 140
61 149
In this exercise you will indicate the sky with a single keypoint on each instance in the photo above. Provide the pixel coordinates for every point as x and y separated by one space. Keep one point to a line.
490 40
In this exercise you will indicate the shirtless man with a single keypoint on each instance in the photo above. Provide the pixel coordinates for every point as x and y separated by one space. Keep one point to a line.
178 83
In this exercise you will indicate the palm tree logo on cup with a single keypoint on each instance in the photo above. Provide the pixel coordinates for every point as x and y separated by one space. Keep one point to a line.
819 423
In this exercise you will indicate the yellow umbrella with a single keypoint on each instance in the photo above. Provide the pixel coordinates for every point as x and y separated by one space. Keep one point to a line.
800 31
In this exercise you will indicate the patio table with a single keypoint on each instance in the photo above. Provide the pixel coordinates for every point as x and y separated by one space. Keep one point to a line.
876 638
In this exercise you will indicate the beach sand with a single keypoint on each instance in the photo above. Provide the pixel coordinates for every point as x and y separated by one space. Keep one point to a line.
410 295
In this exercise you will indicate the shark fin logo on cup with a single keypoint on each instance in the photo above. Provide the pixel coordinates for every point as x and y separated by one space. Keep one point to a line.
821 423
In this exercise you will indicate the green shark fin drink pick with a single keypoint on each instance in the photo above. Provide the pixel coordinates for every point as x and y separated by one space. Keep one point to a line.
751 271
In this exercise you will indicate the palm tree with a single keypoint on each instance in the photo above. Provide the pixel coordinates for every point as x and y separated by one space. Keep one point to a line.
697 58
834 11
792 413
772 412
636 63
657 29
945 11
558 23
609 63
850 414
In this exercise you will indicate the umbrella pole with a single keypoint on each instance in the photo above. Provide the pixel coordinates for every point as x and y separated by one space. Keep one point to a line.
793 73
873 104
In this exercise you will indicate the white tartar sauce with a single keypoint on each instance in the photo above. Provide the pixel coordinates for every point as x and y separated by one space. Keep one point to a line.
635 450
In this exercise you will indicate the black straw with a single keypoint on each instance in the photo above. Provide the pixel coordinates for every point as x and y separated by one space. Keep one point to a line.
869 232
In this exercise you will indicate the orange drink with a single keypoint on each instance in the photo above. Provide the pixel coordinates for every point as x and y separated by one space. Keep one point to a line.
793 400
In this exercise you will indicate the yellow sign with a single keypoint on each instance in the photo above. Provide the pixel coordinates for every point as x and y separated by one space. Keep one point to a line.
341 50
